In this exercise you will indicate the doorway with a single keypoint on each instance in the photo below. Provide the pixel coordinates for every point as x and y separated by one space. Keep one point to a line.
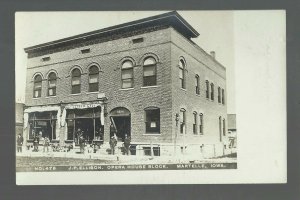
120 123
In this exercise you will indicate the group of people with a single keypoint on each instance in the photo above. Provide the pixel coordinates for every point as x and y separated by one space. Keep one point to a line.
113 143
36 141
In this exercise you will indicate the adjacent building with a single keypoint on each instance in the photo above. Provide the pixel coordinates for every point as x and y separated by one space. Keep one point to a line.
146 79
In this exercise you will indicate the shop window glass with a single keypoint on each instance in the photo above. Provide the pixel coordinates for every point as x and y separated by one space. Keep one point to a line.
152 120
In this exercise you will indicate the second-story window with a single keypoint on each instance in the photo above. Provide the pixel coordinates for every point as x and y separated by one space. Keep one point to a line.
207 89
149 69
37 87
93 79
127 74
212 90
219 95
197 84
76 81
182 74
223 96
52 84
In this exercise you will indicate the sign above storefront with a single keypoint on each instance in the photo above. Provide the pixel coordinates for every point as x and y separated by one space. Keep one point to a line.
82 106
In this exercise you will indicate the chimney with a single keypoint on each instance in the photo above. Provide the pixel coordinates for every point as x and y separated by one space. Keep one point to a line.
213 54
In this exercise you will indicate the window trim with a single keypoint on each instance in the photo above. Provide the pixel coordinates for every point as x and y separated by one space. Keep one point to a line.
76 68
201 124
183 69
197 84
183 122
155 71
195 123
34 86
207 89
98 78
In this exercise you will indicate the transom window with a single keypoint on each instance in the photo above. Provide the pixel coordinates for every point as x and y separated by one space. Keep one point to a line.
152 120
149 68
76 81
93 79
127 74
197 79
182 74
52 84
37 87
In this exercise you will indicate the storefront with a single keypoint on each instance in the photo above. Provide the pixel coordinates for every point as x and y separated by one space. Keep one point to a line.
42 124
84 120
120 123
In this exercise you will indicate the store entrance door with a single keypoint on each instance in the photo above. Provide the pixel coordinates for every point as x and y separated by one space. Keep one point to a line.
120 123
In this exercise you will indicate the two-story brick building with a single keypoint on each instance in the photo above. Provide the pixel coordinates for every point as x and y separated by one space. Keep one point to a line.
145 78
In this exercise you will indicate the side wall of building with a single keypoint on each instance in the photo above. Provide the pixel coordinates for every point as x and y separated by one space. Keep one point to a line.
197 63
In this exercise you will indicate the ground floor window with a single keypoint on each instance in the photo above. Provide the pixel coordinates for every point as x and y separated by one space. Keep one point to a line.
86 123
42 124
155 151
152 120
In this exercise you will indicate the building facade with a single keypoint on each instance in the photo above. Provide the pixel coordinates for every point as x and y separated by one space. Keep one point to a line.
145 79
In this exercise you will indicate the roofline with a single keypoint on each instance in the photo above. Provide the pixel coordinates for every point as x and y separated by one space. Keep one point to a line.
193 32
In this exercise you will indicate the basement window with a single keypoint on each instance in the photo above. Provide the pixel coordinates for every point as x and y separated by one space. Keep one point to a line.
85 51
46 59
138 40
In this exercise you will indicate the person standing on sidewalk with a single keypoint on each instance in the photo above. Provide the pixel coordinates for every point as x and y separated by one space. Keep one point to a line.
19 143
126 144
46 144
81 144
113 144
36 141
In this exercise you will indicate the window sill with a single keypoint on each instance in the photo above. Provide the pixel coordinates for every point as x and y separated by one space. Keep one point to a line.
152 86
198 95
36 97
124 89
184 89
75 94
92 92
153 134
50 97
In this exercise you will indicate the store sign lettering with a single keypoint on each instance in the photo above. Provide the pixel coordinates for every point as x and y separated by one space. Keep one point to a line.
83 106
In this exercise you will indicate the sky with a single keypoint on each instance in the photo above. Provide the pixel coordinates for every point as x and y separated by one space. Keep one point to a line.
32 28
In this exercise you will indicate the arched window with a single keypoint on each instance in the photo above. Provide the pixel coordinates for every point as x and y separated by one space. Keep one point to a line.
207 88
219 95
182 73
152 120
220 128
223 96
76 81
52 84
37 87
182 121
93 79
201 124
149 68
127 74
212 95
197 79
224 127
195 124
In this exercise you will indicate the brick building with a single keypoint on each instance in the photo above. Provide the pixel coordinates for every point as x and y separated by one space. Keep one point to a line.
145 78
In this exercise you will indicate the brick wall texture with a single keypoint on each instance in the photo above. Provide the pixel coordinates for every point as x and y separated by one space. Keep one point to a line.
167 46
